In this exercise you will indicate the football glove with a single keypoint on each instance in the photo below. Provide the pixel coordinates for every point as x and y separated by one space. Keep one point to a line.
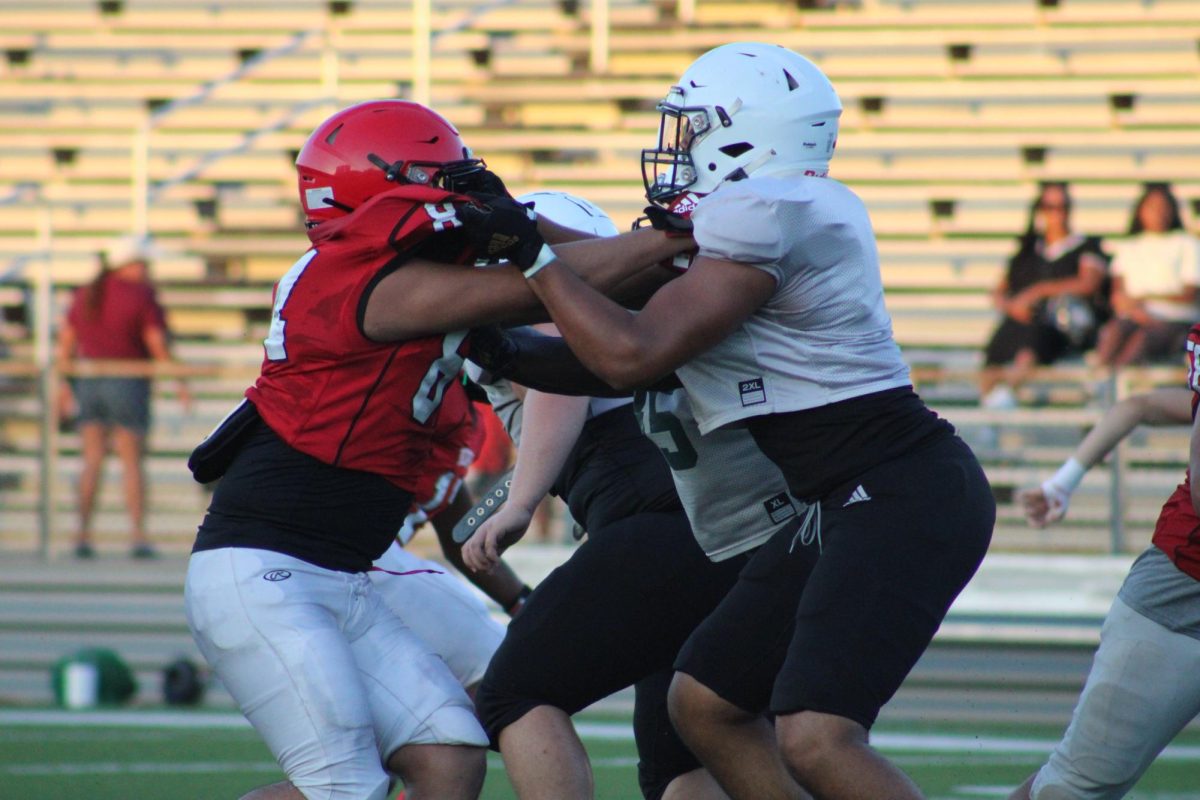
506 230
495 201
482 182
674 225
492 348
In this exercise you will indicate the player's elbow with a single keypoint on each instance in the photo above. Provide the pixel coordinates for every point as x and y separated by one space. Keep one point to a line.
629 366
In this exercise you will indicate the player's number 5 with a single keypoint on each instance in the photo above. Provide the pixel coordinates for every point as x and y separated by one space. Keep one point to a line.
666 431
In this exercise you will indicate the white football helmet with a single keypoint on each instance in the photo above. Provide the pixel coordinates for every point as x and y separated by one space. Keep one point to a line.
742 108
570 211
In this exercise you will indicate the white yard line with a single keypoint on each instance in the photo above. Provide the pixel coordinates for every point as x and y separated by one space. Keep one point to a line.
915 743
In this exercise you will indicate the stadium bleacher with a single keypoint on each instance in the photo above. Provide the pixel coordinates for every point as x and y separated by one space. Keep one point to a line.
953 113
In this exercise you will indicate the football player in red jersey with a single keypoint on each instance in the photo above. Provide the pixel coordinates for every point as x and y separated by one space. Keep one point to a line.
320 463
1144 685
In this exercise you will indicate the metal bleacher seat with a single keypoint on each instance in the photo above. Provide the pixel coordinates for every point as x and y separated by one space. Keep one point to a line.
945 138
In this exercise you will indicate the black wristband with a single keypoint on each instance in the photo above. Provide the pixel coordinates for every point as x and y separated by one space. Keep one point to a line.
519 601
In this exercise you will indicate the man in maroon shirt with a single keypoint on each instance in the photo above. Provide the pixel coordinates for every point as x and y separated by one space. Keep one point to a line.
114 317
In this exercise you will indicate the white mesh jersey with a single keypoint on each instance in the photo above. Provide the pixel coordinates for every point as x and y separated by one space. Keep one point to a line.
734 496
824 334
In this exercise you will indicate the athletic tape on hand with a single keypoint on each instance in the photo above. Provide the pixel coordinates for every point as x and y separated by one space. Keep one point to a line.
484 507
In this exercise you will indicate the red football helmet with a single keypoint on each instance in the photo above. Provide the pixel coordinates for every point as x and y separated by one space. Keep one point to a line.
375 146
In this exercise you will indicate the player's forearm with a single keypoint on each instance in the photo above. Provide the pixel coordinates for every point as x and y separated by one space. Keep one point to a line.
533 360
1160 407
550 427
554 233
501 584
619 262
625 350
1114 426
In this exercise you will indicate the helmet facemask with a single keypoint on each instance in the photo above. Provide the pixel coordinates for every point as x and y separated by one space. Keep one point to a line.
450 176
668 170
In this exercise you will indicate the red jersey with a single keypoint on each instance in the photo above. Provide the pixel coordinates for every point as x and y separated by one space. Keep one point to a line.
116 328
332 393
448 464
496 454
1177 532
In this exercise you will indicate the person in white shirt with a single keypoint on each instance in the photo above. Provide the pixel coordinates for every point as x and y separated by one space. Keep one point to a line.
1156 273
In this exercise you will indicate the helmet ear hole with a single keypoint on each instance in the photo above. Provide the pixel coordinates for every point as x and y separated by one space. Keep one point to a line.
736 149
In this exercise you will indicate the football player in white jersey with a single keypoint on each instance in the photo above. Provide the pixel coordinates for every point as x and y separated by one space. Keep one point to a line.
620 608
779 327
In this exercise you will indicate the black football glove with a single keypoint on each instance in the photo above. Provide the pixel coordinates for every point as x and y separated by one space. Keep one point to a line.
506 231
478 180
495 201
492 348
674 225
482 182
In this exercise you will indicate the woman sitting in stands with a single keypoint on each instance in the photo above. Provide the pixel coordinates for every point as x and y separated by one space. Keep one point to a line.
1155 275
1047 297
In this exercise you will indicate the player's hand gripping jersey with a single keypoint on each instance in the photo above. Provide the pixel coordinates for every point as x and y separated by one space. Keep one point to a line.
1177 532
332 393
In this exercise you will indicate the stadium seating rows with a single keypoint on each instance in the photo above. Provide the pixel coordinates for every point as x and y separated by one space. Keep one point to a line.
953 112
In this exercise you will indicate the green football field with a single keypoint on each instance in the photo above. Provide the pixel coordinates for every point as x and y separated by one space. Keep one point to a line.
148 754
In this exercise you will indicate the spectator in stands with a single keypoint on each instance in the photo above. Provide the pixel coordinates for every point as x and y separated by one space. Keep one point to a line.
115 316
1155 275
1051 297
1144 684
